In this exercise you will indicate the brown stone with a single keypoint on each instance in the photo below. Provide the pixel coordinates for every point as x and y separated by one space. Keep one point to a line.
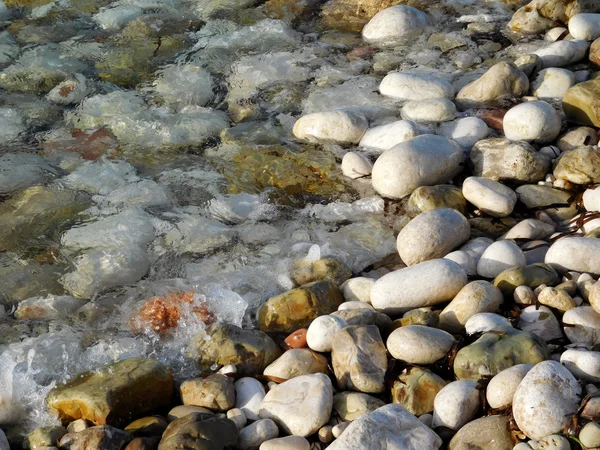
147 443
102 437
416 388
297 339
323 269
581 103
198 431
147 426
214 392
494 118
116 394
362 52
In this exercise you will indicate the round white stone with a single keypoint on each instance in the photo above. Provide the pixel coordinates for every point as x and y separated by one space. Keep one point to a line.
484 322
545 400
575 253
409 86
430 110
456 404
319 336
489 196
499 256
502 386
286 443
476 247
425 284
249 393
418 344
540 321
590 435
337 127
524 295
425 160
464 260
396 25
384 137
431 235
552 83
582 363
591 198
354 305
534 121
251 437
355 165
582 325
465 132
358 289
585 26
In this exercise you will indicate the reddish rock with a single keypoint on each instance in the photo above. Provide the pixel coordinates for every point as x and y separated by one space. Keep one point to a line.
297 339
147 443
90 144
365 52
493 118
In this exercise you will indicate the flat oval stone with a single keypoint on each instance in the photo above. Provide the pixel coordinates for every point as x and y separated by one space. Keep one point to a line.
562 53
399 24
297 362
425 284
545 400
456 404
422 161
383 137
532 275
337 127
555 201
575 253
409 86
430 110
431 235
502 386
417 344
466 131
489 196
585 26
485 433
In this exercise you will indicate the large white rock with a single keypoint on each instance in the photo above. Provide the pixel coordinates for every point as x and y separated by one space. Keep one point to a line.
545 400
582 325
357 289
48 308
552 83
296 362
383 137
300 406
464 260
418 344
319 336
252 436
425 160
466 132
456 404
425 284
355 165
541 321
396 25
562 53
582 363
585 26
337 127
476 297
575 253
489 196
499 256
390 427
410 86
249 394
432 234
430 110
534 121
502 386
476 247
104 269
484 322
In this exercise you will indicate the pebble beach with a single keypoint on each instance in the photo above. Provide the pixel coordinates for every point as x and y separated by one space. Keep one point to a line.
299 224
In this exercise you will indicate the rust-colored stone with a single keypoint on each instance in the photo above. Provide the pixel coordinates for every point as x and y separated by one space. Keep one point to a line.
363 52
494 118
297 339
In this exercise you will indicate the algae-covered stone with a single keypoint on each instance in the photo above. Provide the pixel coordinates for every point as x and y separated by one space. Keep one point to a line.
427 198
494 352
416 388
45 436
486 433
558 204
35 211
223 344
581 103
116 394
305 272
532 275
197 431
295 309
579 166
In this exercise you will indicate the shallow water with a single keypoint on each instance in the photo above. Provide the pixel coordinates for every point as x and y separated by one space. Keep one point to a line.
165 163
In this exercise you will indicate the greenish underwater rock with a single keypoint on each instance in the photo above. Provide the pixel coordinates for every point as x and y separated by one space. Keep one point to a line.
427 198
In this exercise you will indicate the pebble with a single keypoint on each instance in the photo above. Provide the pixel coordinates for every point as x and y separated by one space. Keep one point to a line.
319 336
430 110
530 229
383 137
502 386
582 325
556 298
456 404
590 435
417 344
300 406
582 363
286 443
252 437
499 256
432 235
296 362
297 339
338 429
466 131
574 253
552 442
396 25
358 289
335 127
540 321
585 27
578 137
425 284
355 165
545 399
4 445
490 433
524 295
215 392
476 297
354 305
325 434
422 161
484 322
238 417
562 53
183 410
406 87
555 34
489 196
249 393
552 83
534 121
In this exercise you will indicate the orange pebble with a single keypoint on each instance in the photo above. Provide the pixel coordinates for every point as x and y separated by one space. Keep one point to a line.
297 339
